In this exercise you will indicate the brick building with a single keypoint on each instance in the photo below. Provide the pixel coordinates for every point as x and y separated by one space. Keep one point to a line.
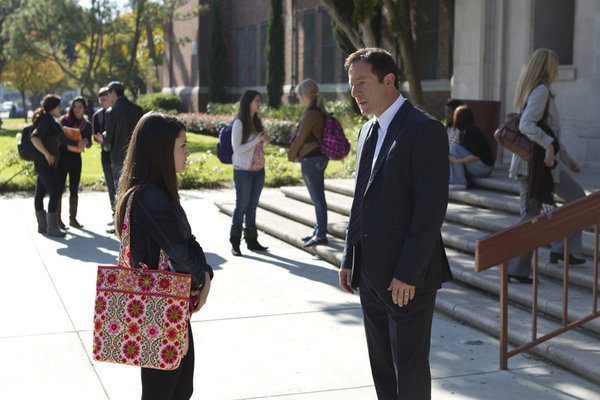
310 51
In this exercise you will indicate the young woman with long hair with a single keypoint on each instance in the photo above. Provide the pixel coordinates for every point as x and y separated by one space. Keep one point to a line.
545 174
305 149
472 155
47 137
70 158
157 152
247 139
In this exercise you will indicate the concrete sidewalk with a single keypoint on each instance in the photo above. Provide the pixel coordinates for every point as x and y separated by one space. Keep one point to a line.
275 325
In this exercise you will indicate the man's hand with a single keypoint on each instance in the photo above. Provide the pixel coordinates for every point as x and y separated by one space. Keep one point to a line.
402 292
452 160
346 280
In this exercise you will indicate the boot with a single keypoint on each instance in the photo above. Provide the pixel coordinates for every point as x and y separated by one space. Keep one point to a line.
52 228
235 237
41 220
58 209
73 200
250 236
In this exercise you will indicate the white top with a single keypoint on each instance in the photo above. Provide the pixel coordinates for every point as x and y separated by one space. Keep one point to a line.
248 156
385 119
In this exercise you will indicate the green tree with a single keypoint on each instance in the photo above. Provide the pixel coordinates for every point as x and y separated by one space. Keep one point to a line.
7 8
367 23
215 59
275 76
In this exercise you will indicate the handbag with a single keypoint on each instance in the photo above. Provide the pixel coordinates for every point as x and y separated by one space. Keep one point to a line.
509 137
141 315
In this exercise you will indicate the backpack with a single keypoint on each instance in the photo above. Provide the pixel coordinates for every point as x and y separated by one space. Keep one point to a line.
334 144
27 150
224 148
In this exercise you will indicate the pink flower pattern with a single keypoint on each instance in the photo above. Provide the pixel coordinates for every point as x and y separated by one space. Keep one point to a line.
131 326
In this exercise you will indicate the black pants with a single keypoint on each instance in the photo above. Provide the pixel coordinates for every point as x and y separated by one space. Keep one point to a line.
70 163
398 340
177 384
46 183
108 177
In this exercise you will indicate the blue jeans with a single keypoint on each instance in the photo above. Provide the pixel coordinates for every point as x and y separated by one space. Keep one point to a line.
248 185
313 174
459 172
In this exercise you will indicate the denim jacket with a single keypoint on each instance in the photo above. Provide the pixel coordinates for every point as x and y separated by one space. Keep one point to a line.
157 222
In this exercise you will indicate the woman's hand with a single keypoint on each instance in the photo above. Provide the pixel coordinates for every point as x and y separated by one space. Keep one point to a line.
80 145
264 137
201 295
549 159
574 166
50 159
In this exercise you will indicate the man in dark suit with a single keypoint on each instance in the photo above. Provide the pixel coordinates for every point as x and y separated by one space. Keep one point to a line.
394 249
121 119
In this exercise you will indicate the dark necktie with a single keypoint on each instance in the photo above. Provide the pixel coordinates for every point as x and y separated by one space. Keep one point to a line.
364 173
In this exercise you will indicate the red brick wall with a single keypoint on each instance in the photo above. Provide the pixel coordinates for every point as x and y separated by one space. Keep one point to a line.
189 70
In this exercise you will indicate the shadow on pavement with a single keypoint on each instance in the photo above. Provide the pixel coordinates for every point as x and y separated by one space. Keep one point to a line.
90 247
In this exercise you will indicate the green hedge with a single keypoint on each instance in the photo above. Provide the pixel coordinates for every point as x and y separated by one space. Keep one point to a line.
210 124
161 101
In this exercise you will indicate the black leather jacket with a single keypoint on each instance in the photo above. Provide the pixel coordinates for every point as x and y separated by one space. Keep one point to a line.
121 119
157 222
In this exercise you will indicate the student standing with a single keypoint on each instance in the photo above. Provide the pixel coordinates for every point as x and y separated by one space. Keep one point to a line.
46 137
70 158
305 149
158 151
247 140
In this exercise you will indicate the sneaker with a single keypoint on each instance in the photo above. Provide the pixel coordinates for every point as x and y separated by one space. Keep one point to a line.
455 186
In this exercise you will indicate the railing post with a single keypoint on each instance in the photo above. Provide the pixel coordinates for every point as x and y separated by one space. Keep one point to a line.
504 316
534 301
565 315
595 286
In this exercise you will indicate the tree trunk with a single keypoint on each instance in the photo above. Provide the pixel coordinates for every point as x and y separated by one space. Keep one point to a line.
24 105
136 40
353 34
152 50
397 15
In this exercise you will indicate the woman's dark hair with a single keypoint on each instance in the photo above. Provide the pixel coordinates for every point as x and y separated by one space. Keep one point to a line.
149 160
463 118
49 103
380 60
249 124
75 100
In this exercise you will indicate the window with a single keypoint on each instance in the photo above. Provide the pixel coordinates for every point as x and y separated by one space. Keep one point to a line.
240 57
251 44
310 44
427 37
263 47
328 50
553 27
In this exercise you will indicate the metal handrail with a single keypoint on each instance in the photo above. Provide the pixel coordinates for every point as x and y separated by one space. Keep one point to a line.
498 248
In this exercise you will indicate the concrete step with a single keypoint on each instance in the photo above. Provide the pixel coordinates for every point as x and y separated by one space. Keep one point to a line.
290 231
576 350
550 291
467 304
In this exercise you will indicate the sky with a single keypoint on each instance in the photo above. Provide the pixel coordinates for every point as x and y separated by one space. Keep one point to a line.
121 4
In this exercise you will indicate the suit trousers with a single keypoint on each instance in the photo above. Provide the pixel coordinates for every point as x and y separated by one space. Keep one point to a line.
398 339
568 190
177 384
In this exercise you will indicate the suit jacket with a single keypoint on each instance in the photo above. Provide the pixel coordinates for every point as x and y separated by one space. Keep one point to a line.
404 205
121 118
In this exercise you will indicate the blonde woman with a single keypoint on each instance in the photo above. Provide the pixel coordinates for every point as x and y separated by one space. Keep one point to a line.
305 149
541 124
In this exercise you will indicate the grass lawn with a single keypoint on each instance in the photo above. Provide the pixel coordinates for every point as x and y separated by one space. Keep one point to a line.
279 170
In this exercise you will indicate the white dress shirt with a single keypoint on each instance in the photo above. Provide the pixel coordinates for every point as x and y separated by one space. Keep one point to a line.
385 119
